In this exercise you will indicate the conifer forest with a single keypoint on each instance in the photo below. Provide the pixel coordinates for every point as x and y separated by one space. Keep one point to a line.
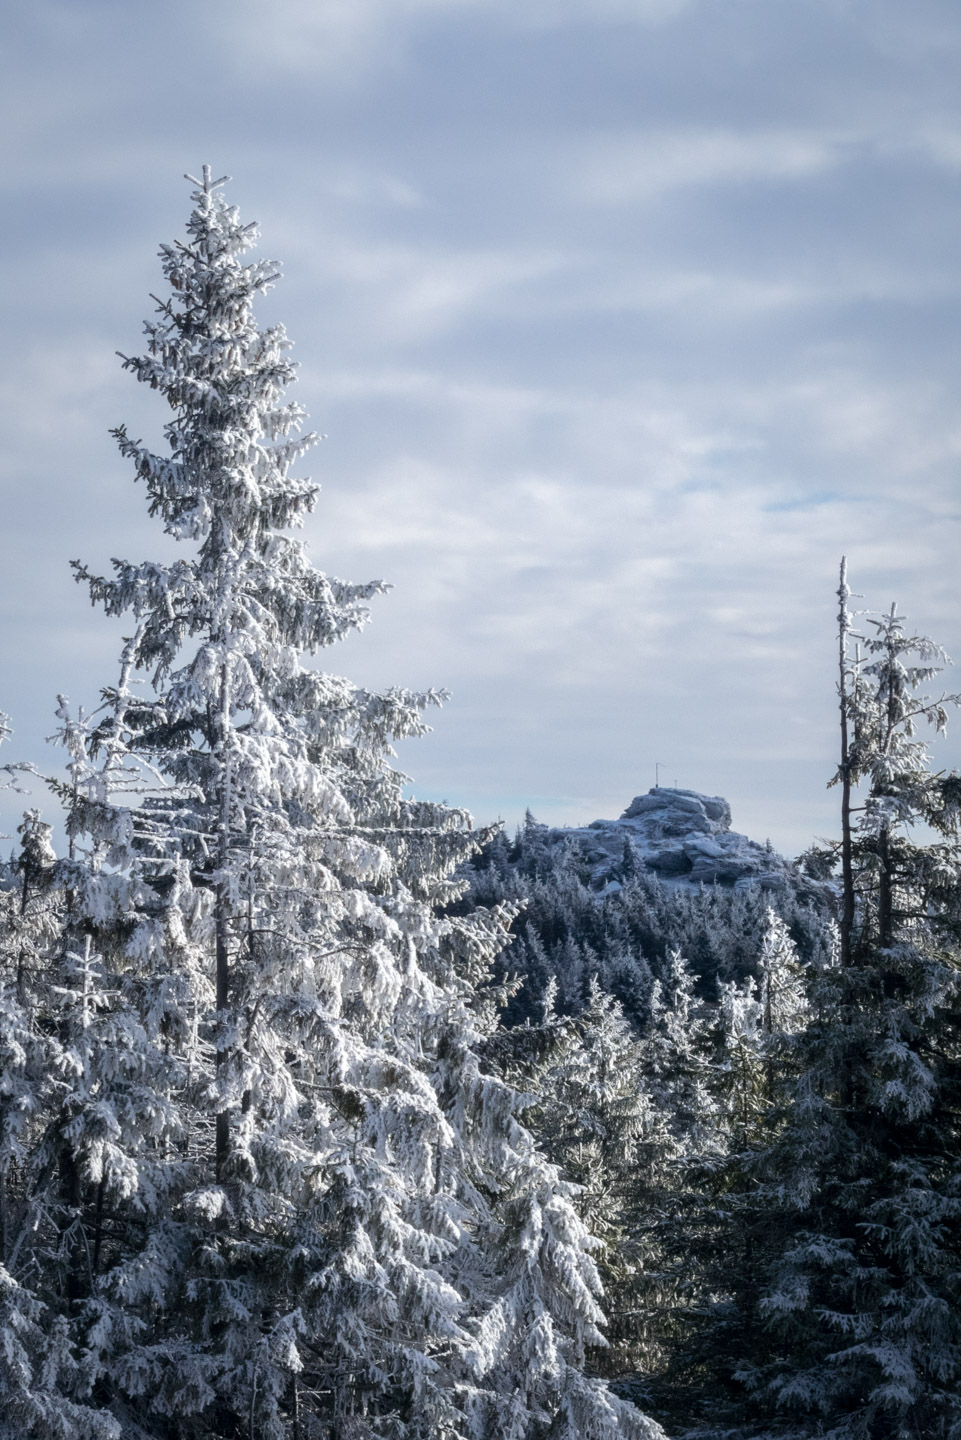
326 1116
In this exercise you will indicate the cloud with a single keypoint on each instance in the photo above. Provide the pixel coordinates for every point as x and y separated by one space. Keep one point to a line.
619 169
627 537
420 291
345 40
554 14
339 40
941 144
608 449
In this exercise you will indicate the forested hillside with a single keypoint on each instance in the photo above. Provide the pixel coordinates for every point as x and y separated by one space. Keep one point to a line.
324 1116
611 902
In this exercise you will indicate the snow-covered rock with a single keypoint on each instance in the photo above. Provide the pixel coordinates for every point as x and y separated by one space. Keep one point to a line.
684 838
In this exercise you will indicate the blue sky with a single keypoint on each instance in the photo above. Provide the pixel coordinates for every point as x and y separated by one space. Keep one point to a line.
623 320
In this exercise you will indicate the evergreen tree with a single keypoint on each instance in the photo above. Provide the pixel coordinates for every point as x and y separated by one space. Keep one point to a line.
623 1115
782 991
863 1335
278 1195
570 928
597 1120
732 1232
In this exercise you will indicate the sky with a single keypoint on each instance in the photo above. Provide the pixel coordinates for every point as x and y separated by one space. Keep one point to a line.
623 321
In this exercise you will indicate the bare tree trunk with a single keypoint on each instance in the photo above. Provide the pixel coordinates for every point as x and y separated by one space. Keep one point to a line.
886 878
844 771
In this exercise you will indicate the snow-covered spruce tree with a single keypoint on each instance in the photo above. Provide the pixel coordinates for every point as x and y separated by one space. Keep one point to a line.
758 1021
863 1306
596 1119
289 1202
732 1228
673 1223
782 988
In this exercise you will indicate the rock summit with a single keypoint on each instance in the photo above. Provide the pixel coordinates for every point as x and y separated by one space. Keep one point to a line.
684 838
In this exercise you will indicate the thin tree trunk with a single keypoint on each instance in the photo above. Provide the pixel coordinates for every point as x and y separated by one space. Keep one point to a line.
71 1200
222 1139
98 1224
22 949
223 975
71 1185
846 927
885 889
886 878
767 1026
844 771
247 1098
295 1407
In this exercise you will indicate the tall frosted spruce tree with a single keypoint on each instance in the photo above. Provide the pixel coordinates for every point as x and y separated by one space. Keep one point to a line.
263 1186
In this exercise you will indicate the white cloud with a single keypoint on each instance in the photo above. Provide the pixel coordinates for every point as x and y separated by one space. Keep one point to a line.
939 143
344 40
608 451
410 292
615 169
553 14
338 40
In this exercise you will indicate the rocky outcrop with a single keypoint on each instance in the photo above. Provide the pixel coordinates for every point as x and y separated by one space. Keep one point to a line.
684 838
